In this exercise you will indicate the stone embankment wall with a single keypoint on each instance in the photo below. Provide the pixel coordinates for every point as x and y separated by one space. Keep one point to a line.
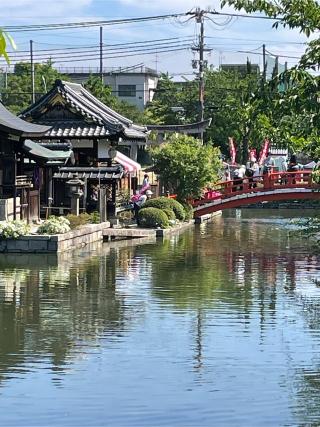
56 243
289 204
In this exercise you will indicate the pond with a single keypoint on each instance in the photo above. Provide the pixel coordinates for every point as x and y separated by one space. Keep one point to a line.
217 326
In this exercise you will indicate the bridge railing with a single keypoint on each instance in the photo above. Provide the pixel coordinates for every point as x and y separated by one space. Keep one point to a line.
267 182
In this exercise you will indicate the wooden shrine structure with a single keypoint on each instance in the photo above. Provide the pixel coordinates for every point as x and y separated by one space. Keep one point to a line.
22 164
95 132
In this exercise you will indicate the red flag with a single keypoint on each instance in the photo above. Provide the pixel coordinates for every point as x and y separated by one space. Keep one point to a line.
233 150
264 151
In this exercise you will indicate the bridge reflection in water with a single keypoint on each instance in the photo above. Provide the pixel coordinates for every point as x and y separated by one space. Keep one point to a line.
264 188
219 323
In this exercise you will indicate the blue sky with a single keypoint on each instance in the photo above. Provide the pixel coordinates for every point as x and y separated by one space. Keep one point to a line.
225 39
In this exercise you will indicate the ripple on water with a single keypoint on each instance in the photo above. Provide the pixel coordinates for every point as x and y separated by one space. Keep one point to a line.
218 326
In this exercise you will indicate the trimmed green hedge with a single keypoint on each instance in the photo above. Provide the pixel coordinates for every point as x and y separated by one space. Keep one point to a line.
188 211
170 214
150 217
166 203
82 219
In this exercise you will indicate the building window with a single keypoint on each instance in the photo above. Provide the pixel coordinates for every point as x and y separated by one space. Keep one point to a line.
127 90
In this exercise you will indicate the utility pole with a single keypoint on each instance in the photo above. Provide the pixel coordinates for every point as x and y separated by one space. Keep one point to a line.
200 19
264 75
101 54
199 15
33 98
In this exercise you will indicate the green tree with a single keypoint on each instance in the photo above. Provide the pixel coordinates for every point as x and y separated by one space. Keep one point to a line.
234 101
173 103
185 166
298 107
17 94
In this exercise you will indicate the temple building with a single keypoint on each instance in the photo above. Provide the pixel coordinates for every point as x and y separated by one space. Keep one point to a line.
23 163
74 114
95 134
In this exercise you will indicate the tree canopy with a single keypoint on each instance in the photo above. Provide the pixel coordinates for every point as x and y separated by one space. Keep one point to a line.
185 166
16 95
299 105
242 105
234 101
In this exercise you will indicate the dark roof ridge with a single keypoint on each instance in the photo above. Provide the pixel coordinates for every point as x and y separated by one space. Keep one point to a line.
90 108
27 112
90 103
105 108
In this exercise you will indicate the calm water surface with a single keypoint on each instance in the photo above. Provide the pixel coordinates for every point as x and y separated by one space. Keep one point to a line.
219 326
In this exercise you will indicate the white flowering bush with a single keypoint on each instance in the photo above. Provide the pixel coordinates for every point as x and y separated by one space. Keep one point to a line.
54 225
13 229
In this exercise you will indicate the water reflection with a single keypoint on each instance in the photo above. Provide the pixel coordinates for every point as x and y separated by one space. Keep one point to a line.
218 323
52 305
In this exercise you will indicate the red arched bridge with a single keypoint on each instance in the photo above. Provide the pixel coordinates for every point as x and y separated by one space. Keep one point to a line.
265 188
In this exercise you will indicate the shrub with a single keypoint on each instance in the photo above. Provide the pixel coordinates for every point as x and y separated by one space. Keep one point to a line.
83 219
316 175
188 209
166 203
170 214
54 225
152 217
78 220
95 217
178 209
13 229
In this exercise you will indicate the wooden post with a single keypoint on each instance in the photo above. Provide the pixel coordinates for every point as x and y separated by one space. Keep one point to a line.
29 205
112 202
102 204
14 202
266 181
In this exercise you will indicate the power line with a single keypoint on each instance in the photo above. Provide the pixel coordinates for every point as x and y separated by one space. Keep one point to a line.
242 15
273 54
109 45
141 53
60 53
83 24
131 52
58 26
255 40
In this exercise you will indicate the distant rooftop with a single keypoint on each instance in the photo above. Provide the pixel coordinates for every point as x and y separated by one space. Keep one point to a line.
240 68
134 69
107 70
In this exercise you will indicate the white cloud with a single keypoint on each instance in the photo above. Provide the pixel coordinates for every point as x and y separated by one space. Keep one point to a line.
21 11
33 11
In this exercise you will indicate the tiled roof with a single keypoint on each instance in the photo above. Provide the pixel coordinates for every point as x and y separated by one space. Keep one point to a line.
78 129
36 150
13 124
95 114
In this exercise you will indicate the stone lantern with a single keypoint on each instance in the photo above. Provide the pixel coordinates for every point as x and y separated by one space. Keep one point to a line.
76 191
